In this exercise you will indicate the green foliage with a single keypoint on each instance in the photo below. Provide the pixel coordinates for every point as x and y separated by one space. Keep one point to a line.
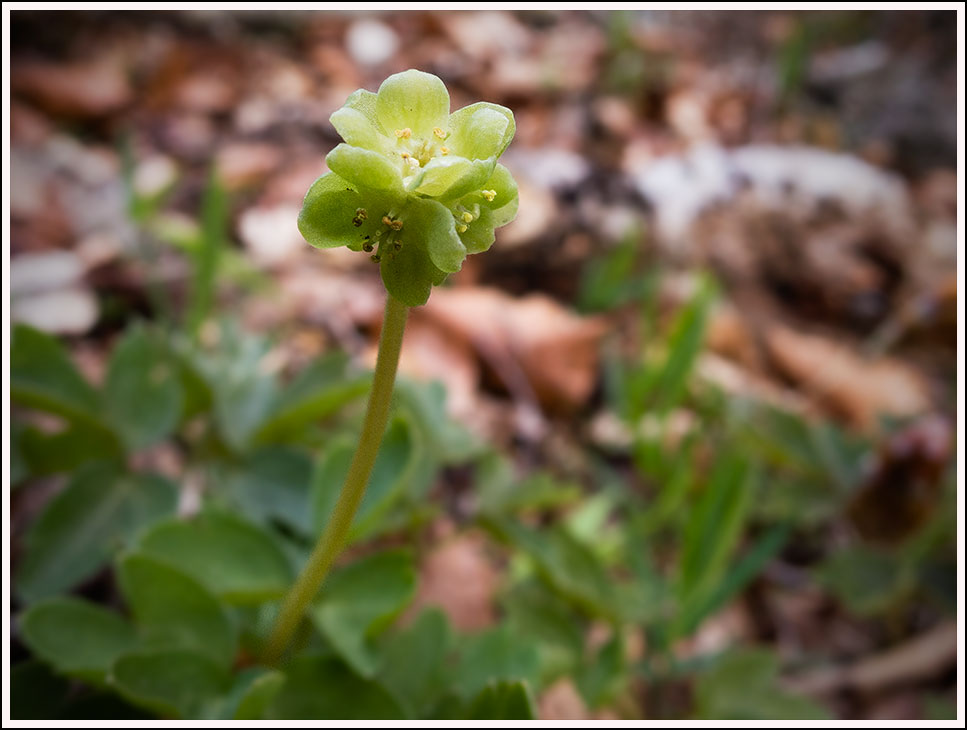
743 685
359 601
79 639
99 511
235 560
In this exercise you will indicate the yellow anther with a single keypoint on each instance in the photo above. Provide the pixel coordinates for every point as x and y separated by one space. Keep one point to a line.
387 220
461 229
405 155
467 217
489 195
444 151
395 225
404 133
439 133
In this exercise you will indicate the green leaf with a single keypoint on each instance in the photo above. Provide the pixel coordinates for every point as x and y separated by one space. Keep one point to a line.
361 600
414 669
743 686
866 580
481 130
174 683
19 468
237 561
413 99
322 687
205 261
99 511
36 693
364 168
565 563
255 690
173 610
497 654
273 485
42 376
503 701
319 391
603 679
398 455
77 638
444 438
534 611
715 526
67 450
142 392
701 606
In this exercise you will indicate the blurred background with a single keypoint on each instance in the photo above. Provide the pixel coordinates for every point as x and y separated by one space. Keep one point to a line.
692 426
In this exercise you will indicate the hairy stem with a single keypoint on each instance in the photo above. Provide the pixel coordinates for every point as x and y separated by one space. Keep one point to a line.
334 537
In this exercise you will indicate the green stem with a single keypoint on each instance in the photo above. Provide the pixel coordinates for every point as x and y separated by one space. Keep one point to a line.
334 537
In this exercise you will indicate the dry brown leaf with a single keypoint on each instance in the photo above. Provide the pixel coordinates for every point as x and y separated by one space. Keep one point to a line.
923 657
80 89
843 382
457 577
241 164
562 701
536 347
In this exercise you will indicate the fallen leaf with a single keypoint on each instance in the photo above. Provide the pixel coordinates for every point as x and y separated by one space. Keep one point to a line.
536 347
459 578
77 89
843 382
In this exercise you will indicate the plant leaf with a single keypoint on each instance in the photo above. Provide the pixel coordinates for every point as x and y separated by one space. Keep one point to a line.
237 561
359 601
172 610
97 513
78 638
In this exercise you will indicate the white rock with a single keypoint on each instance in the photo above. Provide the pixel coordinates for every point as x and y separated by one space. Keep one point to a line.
41 272
371 42
66 311
271 235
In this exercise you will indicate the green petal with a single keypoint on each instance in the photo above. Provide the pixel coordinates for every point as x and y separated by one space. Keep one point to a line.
504 215
479 235
357 129
481 130
412 99
364 102
330 212
451 177
409 275
365 168
432 224
504 185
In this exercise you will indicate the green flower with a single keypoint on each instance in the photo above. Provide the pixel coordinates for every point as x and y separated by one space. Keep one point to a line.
414 185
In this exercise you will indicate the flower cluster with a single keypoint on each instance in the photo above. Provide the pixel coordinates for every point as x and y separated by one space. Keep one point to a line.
413 185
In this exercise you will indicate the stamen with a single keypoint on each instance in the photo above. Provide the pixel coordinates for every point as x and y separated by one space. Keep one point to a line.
395 225
439 133
467 217
359 217
461 228
404 133
444 151
489 195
